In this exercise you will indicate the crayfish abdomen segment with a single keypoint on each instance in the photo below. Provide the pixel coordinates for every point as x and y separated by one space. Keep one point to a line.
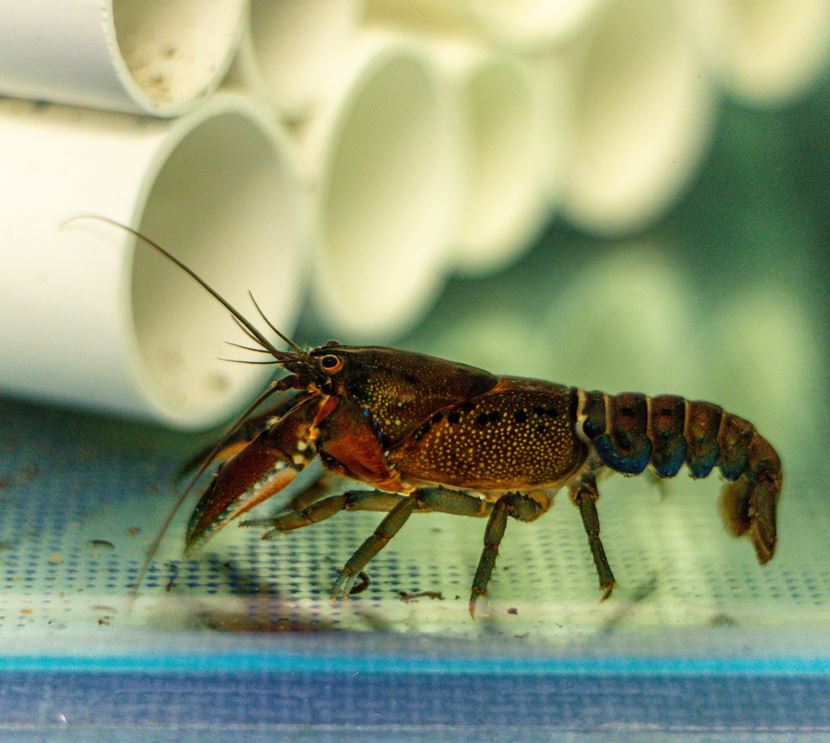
630 431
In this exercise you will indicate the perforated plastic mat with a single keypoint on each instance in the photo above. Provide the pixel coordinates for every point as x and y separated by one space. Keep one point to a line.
82 497
251 620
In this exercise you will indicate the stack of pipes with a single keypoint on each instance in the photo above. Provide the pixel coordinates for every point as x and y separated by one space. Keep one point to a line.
358 152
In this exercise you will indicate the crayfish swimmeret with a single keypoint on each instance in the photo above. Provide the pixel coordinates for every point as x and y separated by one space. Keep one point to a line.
433 435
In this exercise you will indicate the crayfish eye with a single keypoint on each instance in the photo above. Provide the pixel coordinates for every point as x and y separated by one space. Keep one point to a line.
331 364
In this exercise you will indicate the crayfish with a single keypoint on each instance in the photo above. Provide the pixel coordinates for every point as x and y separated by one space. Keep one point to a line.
430 435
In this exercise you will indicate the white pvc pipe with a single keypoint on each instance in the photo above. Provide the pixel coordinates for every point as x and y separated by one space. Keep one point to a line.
89 318
523 26
381 153
153 56
763 51
531 25
290 48
500 129
641 118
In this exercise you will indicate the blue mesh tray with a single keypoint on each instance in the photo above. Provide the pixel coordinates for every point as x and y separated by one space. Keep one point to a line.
243 637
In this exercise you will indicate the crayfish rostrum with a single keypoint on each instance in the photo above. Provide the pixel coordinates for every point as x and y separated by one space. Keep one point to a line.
428 434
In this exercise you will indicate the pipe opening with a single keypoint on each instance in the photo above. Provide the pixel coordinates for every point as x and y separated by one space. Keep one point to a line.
777 48
385 200
641 114
504 193
531 24
176 51
297 44
228 205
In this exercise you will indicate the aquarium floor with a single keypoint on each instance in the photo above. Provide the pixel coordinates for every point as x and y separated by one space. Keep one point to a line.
695 630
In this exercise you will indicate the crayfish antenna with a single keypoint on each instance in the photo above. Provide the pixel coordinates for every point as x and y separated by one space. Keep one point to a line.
247 325
285 338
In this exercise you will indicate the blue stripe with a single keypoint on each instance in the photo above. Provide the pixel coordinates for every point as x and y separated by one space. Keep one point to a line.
669 455
349 664
629 464
485 707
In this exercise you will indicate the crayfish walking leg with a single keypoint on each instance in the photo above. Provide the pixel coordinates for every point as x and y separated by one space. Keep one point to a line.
522 508
325 508
455 502
584 494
